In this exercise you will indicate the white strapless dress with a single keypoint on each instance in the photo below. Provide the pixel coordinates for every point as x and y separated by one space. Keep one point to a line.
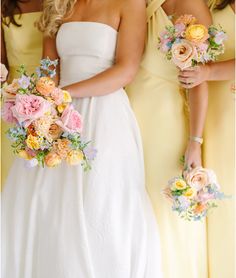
64 223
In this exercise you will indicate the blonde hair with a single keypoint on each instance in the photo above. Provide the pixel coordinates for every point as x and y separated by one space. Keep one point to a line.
54 11
212 4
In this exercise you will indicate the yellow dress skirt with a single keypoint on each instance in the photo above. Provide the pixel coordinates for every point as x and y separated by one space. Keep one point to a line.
159 108
219 154
23 46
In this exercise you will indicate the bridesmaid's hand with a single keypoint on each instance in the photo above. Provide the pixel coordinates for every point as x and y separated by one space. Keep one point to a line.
193 156
192 77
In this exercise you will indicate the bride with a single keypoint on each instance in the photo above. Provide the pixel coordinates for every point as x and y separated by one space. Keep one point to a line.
62 222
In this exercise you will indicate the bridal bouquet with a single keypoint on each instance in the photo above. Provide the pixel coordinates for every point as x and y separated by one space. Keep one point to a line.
188 44
193 194
47 128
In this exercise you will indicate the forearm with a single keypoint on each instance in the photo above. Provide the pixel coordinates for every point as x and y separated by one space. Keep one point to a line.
222 70
198 102
102 84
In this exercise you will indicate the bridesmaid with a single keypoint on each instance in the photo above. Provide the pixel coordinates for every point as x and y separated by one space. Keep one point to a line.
21 43
159 107
219 145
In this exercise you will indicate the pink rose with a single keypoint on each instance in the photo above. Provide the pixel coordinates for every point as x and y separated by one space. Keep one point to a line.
198 178
29 108
204 197
7 114
57 95
183 53
71 120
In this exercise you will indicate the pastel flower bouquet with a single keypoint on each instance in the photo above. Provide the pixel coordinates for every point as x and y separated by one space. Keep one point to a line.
187 43
47 128
194 193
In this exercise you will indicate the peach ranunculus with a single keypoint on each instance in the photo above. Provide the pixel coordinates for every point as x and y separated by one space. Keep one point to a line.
183 53
186 19
55 131
42 125
3 73
198 178
75 157
62 147
71 120
200 208
197 33
52 159
45 86
29 108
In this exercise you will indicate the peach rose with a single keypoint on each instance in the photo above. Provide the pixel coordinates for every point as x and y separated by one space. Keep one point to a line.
62 147
197 33
10 91
3 73
55 131
45 86
197 178
183 53
52 159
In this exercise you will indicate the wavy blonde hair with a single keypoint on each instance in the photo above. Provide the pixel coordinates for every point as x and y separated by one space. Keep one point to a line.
212 4
54 11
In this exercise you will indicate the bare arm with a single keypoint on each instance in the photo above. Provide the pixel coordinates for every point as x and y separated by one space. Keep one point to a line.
50 50
130 47
198 96
217 71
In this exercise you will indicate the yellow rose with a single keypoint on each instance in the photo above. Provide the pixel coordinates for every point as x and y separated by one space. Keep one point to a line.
190 193
24 154
61 107
52 159
66 96
32 142
45 86
179 184
197 33
74 157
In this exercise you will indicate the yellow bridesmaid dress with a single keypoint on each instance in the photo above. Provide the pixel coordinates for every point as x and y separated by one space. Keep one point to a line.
23 46
159 108
219 154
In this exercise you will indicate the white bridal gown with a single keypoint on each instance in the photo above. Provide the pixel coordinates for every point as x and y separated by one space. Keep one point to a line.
64 223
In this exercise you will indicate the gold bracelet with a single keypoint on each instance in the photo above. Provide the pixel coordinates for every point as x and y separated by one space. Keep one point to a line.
196 139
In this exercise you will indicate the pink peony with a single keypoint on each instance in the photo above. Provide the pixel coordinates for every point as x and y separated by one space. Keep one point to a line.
71 120
179 29
7 114
57 95
29 108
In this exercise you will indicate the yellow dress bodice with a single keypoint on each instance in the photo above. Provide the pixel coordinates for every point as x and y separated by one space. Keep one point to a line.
157 20
23 44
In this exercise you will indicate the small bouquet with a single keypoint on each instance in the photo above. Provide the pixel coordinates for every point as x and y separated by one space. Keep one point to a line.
47 128
188 44
193 194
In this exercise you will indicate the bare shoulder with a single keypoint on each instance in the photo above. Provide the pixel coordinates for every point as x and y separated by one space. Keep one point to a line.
197 8
132 6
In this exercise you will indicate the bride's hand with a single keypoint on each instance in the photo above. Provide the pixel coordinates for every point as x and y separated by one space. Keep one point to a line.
193 155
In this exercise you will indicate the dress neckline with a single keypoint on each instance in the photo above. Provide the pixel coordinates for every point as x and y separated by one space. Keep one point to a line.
91 23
